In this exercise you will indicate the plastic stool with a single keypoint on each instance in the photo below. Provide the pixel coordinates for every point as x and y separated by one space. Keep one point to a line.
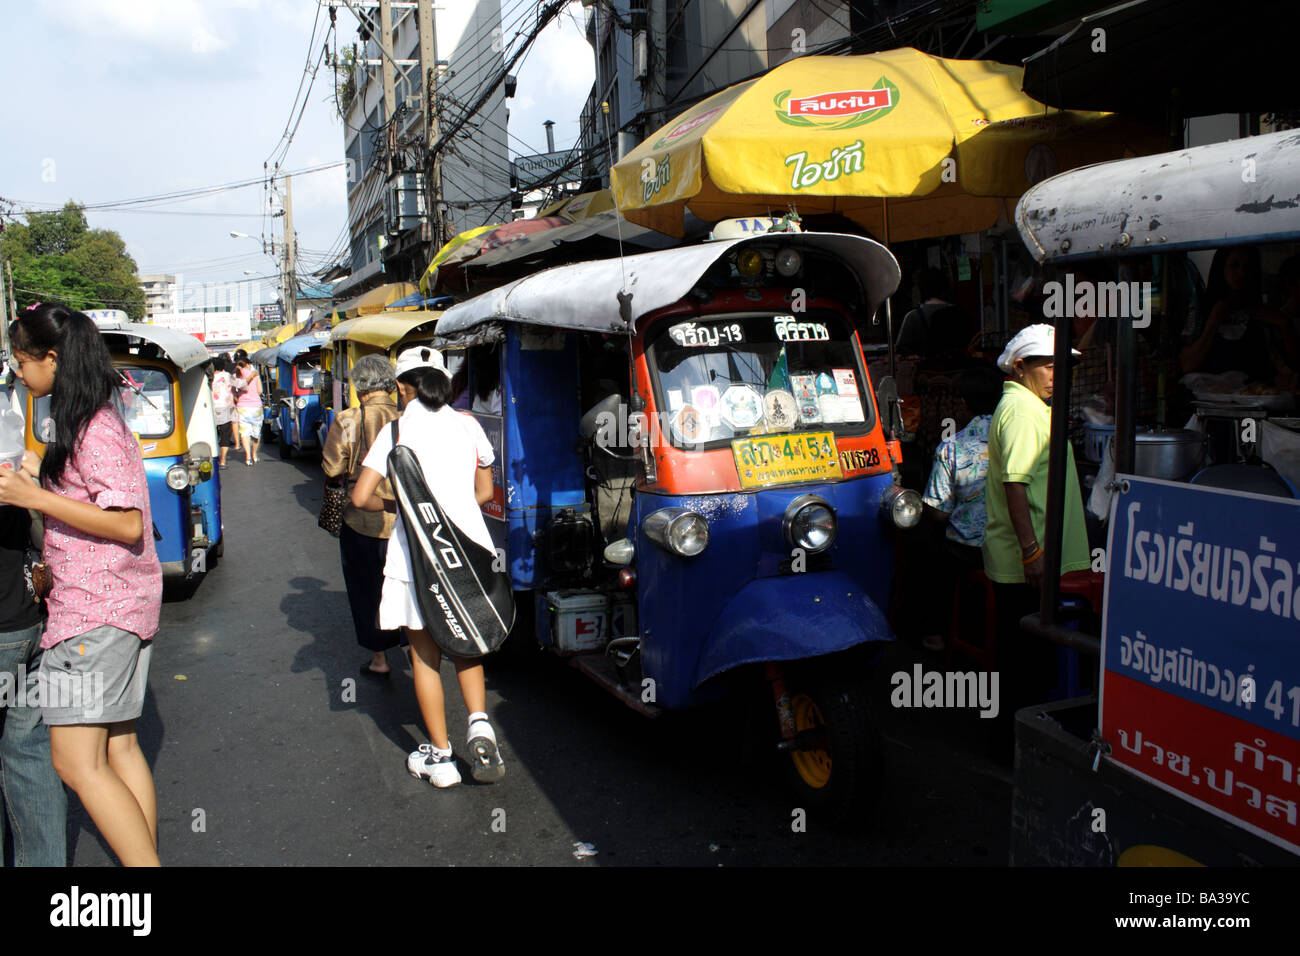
986 655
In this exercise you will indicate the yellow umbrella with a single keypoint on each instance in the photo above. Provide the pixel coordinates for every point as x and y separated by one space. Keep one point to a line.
906 144
447 251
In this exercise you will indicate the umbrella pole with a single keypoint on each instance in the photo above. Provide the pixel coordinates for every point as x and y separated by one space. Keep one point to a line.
895 415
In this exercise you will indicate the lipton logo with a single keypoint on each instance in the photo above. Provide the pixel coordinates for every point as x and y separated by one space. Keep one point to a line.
843 109
685 126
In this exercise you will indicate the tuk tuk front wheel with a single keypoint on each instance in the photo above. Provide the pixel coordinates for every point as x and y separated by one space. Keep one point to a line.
836 768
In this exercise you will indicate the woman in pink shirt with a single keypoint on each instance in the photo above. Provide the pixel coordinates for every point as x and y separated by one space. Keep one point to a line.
107 593
248 404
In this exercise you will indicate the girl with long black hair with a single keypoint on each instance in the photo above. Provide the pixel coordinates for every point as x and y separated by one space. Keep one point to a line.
107 594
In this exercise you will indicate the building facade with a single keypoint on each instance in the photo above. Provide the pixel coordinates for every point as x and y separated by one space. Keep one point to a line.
389 214
161 295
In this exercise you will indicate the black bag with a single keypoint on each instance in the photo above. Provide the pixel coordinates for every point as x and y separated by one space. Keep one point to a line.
333 500
467 606
335 496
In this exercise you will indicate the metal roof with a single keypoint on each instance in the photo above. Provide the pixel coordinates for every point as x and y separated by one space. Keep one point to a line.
180 347
584 296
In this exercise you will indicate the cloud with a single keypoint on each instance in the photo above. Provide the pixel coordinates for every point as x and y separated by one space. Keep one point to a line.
178 26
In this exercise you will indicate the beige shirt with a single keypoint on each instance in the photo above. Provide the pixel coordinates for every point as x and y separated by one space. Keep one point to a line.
350 437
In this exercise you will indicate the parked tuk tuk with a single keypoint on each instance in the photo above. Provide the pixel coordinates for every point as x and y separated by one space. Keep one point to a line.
166 401
694 493
387 333
1187 753
296 396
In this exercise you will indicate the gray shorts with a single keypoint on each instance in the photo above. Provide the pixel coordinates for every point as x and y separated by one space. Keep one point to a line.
98 677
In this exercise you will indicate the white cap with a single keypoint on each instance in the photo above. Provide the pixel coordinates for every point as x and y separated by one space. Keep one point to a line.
1030 342
419 357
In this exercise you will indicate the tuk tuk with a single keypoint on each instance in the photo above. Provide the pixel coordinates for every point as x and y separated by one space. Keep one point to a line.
1186 755
296 397
386 333
166 401
694 493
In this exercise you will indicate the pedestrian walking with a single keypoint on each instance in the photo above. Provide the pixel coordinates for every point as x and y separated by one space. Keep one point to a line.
98 639
455 458
35 805
363 539
248 405
223 405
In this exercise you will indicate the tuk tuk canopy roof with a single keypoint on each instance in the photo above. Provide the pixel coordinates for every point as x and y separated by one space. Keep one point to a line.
299 344
179 347
264 356
1197 198
584 296
385 329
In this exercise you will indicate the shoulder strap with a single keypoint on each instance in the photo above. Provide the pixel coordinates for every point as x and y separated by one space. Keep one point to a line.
396 435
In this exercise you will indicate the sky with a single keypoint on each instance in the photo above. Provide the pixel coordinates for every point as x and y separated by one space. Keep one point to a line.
115 99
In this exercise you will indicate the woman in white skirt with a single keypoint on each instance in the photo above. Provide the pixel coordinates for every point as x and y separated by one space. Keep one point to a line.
455 456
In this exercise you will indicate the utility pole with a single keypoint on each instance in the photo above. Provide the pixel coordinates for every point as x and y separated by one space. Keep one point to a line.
390 79
432 170
657 54
290 288
13 296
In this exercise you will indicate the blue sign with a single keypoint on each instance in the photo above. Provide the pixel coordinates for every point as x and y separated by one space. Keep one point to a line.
1200 689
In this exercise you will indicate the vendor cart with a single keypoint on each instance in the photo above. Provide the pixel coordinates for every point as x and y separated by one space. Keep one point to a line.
1190 751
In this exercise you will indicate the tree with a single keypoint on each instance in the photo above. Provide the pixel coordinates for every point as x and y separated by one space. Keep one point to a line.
57 257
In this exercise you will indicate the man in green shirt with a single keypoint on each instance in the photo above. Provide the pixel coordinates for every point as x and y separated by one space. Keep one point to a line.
1016 504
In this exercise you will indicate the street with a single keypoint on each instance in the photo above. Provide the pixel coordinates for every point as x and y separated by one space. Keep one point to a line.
258 758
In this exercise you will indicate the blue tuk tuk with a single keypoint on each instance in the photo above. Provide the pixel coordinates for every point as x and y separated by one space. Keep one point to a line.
694 492
166 400
296 397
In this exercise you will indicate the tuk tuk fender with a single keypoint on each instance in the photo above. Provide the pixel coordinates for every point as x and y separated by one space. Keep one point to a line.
795 617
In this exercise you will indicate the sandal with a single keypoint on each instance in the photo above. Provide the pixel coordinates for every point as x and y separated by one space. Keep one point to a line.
378 675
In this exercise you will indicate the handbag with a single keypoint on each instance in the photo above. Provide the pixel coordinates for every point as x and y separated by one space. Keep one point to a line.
335 496
467 605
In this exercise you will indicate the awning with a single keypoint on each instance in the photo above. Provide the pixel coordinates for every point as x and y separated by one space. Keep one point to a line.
1199 57
375 300
1188 199
299 344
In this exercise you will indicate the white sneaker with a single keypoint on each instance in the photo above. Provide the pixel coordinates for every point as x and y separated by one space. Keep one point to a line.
440 768
484 757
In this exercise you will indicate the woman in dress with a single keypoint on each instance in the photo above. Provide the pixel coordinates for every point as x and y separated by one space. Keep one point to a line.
363 539
97 641
455 457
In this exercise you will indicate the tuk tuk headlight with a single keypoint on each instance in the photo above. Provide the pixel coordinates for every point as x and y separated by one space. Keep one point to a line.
301 402
810 523
178 477
682 532
788 262
903 505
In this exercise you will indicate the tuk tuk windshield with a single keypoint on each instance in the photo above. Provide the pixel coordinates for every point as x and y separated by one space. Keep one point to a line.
146 401
727 376
308 375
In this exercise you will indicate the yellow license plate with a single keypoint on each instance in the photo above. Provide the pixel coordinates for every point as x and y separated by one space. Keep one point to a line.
786 459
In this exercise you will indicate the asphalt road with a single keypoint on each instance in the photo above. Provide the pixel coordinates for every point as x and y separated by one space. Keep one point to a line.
259 760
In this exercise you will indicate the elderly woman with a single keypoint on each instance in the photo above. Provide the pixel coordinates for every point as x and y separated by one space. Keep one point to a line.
363 540
1015 498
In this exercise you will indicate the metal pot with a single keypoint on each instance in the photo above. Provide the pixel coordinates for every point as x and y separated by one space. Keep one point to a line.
1170 453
